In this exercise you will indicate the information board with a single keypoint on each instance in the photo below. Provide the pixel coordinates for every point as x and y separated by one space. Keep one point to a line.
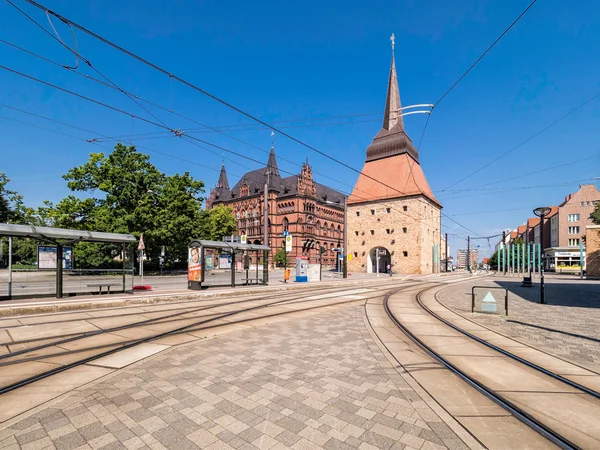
46 257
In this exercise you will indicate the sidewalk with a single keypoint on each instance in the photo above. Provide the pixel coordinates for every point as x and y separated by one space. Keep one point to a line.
49 304
567 327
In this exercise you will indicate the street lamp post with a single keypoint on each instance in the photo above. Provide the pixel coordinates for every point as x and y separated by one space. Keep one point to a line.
345 249
541 212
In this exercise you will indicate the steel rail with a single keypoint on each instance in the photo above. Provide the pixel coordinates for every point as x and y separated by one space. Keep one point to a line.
516 411
57 370
188 310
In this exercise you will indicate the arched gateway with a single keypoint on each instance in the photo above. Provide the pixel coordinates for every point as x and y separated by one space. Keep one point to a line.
379 258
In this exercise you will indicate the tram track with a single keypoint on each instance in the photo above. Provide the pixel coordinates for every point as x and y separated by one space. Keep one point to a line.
71 337
520 403
195 325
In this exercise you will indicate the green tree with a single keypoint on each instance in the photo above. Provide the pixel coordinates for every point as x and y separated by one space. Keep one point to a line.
280 257
135 198
595 215
217 223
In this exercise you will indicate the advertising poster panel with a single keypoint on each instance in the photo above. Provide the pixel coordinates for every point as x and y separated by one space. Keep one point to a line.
47 257
194 264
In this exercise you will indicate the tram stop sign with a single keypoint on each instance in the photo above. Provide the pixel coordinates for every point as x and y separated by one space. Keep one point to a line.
288 243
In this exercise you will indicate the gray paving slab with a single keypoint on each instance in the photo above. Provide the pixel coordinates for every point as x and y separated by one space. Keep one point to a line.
314 382
567 327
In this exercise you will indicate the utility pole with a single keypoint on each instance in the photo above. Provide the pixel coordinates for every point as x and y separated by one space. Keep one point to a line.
446 268
345 252
468 253
266 226
10 244
502 252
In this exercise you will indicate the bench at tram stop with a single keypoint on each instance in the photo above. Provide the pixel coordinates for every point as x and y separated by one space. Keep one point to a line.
101 285
526 282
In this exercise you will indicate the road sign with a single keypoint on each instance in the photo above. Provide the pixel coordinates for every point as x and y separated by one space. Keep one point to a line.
141 245
489 303
288 243
349 257
244 239
285 232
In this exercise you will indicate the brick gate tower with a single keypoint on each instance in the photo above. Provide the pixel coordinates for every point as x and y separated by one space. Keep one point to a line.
393 217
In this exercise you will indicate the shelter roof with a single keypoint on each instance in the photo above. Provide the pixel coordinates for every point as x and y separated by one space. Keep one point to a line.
51 234
227 245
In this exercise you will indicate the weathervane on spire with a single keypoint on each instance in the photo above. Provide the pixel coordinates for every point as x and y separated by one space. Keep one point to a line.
393 39
272 139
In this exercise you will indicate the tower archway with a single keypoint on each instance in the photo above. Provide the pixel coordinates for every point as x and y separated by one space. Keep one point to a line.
381 253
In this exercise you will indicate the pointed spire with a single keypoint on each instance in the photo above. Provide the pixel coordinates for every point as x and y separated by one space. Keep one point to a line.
392 113
272 163
223 182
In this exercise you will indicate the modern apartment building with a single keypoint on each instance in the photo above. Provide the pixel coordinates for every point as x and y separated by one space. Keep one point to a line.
461 258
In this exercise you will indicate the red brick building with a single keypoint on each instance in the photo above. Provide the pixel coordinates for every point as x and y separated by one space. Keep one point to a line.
297 204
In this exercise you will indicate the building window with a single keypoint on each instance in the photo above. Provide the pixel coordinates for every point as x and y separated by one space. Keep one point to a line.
404 230
573 218
286 224
356 232
405 208
388 210
358 213
405 253
580 203
356 254
373 212
372 232
587 203
387 230
573 230
573 242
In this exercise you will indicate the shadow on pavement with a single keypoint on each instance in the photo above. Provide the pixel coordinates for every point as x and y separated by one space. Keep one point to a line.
559 291
553 330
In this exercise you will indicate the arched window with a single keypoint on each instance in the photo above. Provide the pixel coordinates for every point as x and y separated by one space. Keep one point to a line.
339 231
318 227
286 224
331 230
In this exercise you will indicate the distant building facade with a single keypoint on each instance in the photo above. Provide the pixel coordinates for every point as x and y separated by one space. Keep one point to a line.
297 204
393 217
461 258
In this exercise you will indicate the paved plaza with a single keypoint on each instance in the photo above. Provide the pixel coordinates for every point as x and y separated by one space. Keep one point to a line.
313 382
567 327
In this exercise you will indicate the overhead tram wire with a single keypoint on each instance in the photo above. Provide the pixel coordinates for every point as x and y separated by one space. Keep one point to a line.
192 86
170 111
205 93
546 128
527 174
80 56
472 66
90 141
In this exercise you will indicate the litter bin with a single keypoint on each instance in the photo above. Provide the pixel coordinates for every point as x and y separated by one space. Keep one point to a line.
286 275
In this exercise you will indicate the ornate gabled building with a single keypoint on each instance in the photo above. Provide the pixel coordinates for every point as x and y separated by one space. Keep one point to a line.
393 217
297 204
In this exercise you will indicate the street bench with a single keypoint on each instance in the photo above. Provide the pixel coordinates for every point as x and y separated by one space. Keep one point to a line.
526 282
101 285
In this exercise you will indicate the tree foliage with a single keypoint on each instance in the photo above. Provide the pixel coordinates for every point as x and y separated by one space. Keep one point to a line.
217 223
595 215
280 257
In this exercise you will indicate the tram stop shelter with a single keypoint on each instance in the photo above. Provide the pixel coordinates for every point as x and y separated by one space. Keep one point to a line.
214 263
54 241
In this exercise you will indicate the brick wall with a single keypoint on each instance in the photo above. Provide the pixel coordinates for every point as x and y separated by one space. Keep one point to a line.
581 202
592 246
407 228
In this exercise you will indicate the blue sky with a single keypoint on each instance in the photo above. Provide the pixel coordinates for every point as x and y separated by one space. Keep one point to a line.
309 62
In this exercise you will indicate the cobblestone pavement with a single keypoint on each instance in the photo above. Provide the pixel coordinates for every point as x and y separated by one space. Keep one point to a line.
567 327
314 382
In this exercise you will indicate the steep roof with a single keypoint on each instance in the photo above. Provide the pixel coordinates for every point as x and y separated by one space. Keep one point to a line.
392 139
401 173
521 229
533 221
